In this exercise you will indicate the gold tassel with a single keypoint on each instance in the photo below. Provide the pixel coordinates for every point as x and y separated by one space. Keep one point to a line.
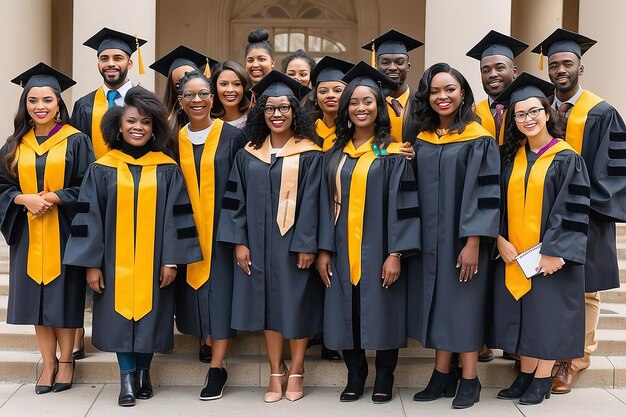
541 58
207 69
140 66
373 54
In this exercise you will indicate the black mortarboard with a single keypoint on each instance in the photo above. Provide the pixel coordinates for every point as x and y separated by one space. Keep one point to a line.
364 74
496 43
330 69
562 40
524 87
42 75
392 42
181 56
276 84
112 39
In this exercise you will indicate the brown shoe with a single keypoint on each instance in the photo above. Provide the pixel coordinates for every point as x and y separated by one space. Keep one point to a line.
565 378
485 354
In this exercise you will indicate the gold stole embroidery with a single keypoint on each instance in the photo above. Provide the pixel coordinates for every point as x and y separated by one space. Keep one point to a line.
578 117
202 197
100 106
44 237
472 131
484 112
524 215
397 121
134 248
328 134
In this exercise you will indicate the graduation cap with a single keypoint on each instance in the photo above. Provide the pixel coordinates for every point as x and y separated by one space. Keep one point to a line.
391 42
181 56
524 87
562 40
364 74
42 75
496 43
276 84
330 69
112 39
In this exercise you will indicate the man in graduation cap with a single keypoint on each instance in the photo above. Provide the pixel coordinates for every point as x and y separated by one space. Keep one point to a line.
595 130
114 60
390 55
496 53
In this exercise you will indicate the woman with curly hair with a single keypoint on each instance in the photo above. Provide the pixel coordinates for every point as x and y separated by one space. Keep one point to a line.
269 215
134 225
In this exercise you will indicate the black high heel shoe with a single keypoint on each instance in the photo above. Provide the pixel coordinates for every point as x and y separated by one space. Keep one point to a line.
127 390
538 389
356 384
383 387
144 385
80 353
468 393
440 384
44 389
64 386
518 387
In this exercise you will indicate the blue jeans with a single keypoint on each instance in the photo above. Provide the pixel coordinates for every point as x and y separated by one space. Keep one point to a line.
131 361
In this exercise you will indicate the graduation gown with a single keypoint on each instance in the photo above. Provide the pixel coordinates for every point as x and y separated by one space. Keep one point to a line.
399 129
459 175
596 130
277 295
483 110
61 302
206 311
93 245
390 219
88 109
327 134
548 322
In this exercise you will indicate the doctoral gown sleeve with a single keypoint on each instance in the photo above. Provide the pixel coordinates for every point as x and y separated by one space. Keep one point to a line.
305 231
403 212
11 214
326 222
81 117
565 231
81 157
232 229
480 204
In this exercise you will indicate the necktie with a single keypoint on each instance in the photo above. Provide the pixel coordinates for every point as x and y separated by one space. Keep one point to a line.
396 106
112 95
562 113
498 118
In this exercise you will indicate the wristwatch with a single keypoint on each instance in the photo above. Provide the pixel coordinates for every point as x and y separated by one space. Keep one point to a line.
398 254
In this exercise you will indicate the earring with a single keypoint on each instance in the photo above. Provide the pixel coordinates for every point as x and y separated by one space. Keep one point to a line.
118 136
57 117
153 138
294 126
349 124
31 123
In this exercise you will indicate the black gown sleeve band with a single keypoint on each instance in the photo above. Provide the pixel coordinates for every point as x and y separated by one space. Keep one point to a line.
408 185
79 230
408 213
82 207
231 186
617 153
230 203
488 203
575 226
582 190
577 208
187 232
617 136
488 180
182 209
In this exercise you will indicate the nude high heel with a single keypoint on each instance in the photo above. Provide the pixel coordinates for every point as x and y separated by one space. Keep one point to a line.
294 395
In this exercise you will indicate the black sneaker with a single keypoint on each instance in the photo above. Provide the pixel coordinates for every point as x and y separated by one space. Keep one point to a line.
214 384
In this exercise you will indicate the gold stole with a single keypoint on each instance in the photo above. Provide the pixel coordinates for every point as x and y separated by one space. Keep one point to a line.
578 117
356 200
44 237
524 216
100 106
134 248
202 197
396 121
327 133
288 192
472 131
488 122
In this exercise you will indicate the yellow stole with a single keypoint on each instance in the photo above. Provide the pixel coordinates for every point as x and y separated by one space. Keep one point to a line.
578 117
44 237
472 131
524 215
134 247
202 197
327 133
484 112
356 200
100 106
288 192
396 121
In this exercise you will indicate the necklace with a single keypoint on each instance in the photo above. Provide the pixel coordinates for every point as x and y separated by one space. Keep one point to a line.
442 131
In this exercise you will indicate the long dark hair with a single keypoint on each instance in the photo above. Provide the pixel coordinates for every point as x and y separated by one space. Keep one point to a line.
256 129
427 119
258 38
513 136
176 115
21 125
148 105
218 110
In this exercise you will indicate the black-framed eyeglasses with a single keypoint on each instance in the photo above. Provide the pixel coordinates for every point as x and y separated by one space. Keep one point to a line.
282 109
189 96
533 113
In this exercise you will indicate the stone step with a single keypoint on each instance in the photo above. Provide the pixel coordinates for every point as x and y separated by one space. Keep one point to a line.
616 295
253 371
4 284
612 316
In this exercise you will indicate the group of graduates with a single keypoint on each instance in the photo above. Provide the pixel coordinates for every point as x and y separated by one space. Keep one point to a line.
356 209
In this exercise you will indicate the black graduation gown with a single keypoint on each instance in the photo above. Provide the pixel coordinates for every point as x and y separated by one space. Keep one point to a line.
83 112
548 322
61 303
390 224
460 193
206 311
277 295
174 243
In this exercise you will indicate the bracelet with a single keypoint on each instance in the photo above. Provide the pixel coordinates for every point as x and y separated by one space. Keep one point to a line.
396 254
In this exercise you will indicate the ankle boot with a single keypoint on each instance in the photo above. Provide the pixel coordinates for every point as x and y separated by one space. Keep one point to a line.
468 394
538 389
144 385
439 384
127 390
518 387
357 375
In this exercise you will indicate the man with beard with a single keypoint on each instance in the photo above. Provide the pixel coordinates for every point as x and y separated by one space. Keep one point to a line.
390 55
114 51
496 53
596 131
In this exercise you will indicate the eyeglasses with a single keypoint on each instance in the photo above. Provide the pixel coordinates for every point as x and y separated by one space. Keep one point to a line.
282 109
189 96
533 113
